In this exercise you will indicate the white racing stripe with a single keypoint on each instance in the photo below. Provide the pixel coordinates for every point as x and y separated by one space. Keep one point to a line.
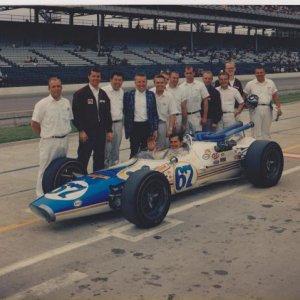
49 286
111 232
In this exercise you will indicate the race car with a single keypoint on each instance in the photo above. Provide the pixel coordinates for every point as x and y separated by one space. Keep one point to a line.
142 187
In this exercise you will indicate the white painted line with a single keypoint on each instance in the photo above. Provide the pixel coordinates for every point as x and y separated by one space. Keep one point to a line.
107 233
290 171
49 254
181 208
167 224
49 286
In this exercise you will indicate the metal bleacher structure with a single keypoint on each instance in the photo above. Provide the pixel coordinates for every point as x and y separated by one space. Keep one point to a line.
132 50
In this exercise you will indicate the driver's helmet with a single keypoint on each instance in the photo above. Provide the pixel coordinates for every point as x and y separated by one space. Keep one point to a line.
252 101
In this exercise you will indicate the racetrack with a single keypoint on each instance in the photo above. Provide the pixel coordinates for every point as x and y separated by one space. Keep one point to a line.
227 241
26 101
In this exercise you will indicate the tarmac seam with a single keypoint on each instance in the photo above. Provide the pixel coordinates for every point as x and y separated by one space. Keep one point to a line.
22 191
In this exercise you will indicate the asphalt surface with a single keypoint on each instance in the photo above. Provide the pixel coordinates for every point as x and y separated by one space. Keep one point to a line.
13 103
226 241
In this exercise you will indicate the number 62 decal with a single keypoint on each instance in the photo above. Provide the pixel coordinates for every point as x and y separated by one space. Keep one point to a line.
183 177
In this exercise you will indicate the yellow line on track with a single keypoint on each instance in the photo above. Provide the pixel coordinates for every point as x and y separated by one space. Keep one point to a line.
19 225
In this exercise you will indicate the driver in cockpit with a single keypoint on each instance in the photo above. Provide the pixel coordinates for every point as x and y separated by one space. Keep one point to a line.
176 145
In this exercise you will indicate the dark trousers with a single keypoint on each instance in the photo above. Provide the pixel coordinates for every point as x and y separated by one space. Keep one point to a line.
96 144
138 137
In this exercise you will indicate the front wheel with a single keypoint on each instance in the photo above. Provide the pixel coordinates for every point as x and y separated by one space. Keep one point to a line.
264 163
61 171
146 198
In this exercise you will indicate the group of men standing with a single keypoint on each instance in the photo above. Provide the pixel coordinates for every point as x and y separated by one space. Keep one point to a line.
99 114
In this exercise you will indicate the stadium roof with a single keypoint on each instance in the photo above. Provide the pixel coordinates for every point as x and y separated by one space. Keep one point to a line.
215 14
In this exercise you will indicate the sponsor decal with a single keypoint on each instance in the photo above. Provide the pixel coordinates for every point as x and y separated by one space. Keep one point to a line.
216 162
215 155
77 203
101 101
222 154
205 156
207 151
90 101
222 159
237 156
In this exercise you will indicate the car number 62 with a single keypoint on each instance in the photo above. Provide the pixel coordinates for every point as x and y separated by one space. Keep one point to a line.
183 177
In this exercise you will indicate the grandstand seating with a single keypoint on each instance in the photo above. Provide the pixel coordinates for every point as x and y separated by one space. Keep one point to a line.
23 57
131 51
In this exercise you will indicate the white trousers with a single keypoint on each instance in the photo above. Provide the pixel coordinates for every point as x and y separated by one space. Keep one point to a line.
112 149
261 116
162 140
178 123
50 149
227 120
194 122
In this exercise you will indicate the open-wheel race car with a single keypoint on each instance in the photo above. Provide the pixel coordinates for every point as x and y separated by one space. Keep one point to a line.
142 186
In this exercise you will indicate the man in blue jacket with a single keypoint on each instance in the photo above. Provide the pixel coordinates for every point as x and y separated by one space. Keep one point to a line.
140 115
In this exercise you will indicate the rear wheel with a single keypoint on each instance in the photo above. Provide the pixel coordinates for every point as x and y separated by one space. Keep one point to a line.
146 198
61 171
264 163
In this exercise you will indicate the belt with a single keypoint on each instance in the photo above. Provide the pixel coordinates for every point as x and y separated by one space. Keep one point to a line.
228 112
58 137
116 121
161 121
178 114
263 104
193 112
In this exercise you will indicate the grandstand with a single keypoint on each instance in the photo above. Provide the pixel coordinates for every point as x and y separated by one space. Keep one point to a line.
69 50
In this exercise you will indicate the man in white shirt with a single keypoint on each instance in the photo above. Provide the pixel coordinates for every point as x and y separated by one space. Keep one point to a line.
51 120
167 111
179 98
195 92
261 116
228 97
115 93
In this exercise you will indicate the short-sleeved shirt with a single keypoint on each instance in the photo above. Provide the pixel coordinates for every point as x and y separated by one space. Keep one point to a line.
195 92
54 116
116 101
165 106
228 98
177 95
264 90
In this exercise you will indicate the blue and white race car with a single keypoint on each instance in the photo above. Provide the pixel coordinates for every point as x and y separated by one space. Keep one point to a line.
142 186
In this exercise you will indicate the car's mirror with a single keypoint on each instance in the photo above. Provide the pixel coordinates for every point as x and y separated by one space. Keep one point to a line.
173 160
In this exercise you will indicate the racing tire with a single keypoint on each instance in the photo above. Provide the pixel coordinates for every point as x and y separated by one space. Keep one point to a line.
264 163
61 171
146 198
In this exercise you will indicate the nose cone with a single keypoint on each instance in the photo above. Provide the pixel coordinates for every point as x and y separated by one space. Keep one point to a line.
43 211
